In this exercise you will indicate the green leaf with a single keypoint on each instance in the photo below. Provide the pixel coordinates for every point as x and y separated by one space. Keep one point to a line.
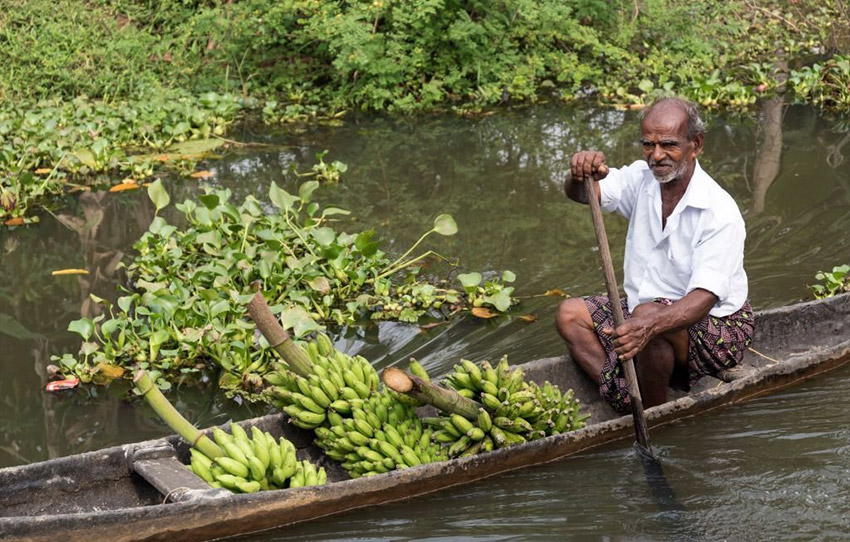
84 327
305 191
125 302
157 224
320 284
164 304
508 276
219 307
158 195
210 201
86 157
502 301
335 211
158 338
469 280
323 236
364 243
299 321
282 199
109 326
445 225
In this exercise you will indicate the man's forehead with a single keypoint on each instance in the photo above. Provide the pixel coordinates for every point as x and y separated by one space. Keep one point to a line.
669 119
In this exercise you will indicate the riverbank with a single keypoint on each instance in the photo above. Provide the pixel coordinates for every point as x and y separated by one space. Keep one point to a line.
110 91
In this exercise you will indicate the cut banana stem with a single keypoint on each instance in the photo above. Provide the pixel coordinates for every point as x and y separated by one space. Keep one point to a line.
443 399
278 338
173 418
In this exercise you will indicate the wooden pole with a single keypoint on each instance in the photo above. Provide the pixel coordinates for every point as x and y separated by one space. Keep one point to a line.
173 418
278 338
641 431
425 392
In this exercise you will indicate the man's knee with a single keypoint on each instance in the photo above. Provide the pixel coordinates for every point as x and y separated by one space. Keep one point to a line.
647 309
572 313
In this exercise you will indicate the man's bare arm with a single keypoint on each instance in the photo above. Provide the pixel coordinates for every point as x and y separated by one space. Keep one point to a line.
636 332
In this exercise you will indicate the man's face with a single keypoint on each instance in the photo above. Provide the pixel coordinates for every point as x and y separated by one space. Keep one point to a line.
666 148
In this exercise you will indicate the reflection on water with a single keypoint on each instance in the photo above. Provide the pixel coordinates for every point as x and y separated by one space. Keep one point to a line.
501 178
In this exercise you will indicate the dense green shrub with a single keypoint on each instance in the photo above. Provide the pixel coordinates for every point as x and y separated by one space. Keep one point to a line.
128 60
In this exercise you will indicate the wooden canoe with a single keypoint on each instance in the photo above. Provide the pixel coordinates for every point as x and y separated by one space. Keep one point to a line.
142 492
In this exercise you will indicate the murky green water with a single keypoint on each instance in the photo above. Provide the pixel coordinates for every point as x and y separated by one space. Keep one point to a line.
772 468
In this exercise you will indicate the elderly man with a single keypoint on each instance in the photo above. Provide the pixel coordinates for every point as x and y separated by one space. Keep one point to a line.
687 313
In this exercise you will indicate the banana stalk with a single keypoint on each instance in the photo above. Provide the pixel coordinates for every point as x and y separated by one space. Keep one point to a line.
173 418
443 399
278 338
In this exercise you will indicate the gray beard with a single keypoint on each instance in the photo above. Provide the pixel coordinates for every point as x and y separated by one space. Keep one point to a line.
674 174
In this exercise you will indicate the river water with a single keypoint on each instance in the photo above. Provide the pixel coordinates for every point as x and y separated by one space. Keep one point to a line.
773 468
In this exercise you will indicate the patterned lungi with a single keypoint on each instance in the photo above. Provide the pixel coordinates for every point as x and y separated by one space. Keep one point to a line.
715 344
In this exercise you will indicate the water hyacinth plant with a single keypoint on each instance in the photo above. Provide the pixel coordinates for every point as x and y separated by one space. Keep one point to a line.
832 283
185 310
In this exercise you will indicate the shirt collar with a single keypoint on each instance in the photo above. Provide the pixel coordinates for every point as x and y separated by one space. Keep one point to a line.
697 194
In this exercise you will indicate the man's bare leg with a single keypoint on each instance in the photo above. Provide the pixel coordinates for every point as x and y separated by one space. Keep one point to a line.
655 363
576 327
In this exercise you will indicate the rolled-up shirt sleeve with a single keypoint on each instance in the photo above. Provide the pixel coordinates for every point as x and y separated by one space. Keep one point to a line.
619 189
718 255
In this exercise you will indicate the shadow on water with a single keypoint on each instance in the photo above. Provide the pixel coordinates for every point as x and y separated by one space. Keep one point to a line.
671 515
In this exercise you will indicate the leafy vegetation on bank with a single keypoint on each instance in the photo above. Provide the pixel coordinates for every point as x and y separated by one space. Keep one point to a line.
87 87
186 310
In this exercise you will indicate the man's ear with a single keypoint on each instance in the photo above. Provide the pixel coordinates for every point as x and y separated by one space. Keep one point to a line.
698 144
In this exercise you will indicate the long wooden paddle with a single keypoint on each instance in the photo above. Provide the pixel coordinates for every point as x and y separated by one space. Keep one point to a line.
641 431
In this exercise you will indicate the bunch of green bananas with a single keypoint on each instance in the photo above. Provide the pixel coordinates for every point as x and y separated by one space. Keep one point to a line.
515 411
336 378
254 464
378 435
368 429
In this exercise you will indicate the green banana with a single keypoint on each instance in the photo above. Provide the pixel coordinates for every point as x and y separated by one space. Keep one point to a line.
201 465
248 487
417 369
261 447
324 344
484 420
306 402
462 424
489 387
476 434
473 371
230 481
329 388
459 446
235 452
358 438
258 471
410 457
462 380
232 466
312 351
491 402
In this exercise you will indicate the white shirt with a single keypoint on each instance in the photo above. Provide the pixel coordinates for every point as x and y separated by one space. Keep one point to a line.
702 245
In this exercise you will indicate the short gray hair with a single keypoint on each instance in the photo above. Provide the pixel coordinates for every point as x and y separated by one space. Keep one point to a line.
696 126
